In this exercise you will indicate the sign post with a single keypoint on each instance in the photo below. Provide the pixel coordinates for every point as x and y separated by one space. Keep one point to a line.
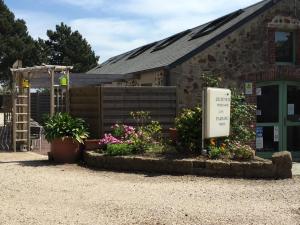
216 104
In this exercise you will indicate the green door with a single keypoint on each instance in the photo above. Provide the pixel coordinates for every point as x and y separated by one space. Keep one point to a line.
278 118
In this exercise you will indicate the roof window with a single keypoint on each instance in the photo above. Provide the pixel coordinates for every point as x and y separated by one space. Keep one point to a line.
212 26
141 50
170 40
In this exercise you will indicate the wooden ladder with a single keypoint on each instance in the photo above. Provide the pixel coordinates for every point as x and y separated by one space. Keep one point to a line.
22 109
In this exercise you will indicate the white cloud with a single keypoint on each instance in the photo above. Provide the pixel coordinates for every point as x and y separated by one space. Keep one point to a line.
86 4
131 23
111 36
38 22
173 8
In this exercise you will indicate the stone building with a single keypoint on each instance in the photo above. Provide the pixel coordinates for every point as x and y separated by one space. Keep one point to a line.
256 49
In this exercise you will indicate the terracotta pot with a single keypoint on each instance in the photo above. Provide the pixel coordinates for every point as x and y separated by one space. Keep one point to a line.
91 144
173 134
65 150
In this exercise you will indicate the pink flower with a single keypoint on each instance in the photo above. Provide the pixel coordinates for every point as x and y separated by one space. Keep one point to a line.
109 139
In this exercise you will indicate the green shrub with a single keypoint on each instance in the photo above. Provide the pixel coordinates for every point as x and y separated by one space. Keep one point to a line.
63 125
219 153
240 151
188 125
148 133
120 149
242 117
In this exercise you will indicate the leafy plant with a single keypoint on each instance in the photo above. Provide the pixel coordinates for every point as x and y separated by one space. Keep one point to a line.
188 125
219 153
140 118
240 151
120 149
63 125
242 118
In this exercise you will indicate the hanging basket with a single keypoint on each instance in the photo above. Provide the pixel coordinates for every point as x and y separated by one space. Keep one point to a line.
25 83
63 81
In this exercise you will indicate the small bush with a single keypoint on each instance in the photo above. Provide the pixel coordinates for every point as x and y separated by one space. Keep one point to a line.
241 152
119 149
188 125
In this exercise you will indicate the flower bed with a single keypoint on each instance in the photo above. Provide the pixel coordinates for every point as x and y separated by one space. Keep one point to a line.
279 168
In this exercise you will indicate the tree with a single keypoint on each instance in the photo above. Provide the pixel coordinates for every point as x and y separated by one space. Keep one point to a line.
65 47
15 43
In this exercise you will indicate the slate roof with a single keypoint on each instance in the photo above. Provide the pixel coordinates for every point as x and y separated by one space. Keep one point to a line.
182 49
78 79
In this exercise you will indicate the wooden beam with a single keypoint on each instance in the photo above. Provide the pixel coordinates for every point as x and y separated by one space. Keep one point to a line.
52 103
14 119
68 92
28 113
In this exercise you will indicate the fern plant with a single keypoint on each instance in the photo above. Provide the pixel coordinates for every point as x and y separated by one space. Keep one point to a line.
62 125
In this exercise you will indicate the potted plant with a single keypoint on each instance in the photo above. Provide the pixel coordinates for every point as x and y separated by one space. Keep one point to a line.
65 133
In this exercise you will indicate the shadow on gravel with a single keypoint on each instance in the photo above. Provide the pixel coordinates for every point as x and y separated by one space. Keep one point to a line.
32 163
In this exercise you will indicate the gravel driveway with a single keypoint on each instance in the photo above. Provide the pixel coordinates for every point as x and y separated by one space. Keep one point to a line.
32 191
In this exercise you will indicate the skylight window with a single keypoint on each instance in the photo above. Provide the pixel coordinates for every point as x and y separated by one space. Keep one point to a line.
118 58
212 26
141 50
170 40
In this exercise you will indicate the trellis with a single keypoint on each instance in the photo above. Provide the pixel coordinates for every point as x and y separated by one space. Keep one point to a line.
21 87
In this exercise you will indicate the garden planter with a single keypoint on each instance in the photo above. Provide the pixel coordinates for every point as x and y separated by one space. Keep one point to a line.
173 134
65 150
91 144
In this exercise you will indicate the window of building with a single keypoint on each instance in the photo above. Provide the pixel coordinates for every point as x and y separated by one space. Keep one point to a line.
212 26
170 40
285 45
141 50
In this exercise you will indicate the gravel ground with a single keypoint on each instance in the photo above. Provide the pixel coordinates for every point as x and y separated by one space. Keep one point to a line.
32 191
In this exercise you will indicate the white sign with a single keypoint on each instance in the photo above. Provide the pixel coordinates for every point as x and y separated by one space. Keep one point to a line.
276 134
248 88
259 137
291 109
258 91
217 112
258 112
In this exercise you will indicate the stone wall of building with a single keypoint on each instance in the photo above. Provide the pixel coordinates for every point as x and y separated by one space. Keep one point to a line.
153 78
246 55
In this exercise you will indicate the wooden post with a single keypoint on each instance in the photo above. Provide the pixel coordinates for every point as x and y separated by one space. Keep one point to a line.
101 111
28 114
68 92
52 103
14 119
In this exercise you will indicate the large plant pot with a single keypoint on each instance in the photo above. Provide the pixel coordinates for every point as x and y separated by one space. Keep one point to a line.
65 150
91 144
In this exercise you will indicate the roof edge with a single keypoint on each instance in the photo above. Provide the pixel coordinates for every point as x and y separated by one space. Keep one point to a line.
222 35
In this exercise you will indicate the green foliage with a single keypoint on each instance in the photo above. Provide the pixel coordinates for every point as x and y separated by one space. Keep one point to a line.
141 118
188 125
15 43
62 125
65 47
209 80
219 153
242 117
120 149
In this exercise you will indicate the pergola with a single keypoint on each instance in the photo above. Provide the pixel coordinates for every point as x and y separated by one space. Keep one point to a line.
21 86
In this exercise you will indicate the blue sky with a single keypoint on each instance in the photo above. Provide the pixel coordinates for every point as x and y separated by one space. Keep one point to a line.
115 26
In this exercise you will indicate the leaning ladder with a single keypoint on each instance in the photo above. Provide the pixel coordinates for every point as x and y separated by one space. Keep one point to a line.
21 119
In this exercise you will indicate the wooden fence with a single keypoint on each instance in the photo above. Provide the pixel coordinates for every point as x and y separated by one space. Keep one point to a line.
102 107
40 106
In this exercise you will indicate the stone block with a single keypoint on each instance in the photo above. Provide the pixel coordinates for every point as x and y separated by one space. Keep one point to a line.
283 163
282 159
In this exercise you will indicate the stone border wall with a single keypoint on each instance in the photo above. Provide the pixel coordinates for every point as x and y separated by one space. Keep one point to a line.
279 168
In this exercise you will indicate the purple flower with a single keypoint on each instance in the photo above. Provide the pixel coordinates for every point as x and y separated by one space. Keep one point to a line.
109 139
